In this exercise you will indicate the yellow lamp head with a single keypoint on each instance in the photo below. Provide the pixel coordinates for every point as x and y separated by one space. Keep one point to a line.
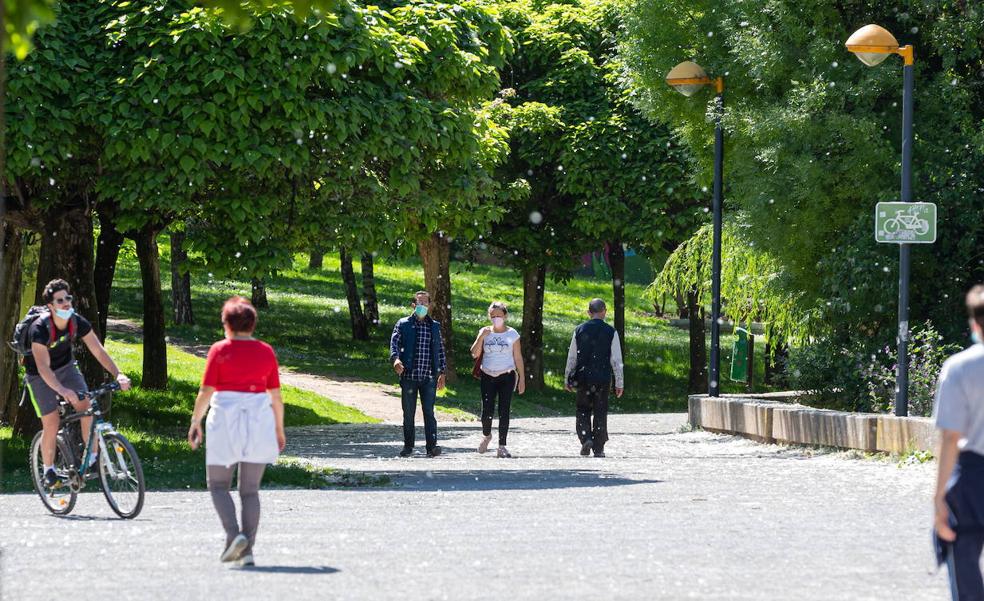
872 44
688 78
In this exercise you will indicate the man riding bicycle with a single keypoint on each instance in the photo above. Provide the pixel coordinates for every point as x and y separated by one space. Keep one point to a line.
52 372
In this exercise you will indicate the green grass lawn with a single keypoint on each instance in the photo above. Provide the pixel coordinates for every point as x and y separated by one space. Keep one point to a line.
308 324
157 423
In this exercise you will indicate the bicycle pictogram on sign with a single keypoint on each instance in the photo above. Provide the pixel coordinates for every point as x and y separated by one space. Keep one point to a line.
905 222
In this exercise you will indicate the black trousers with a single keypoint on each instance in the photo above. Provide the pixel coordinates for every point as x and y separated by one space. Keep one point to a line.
592 402
501 386
965 497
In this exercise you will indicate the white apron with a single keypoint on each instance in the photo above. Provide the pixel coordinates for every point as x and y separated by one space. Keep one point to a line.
240 428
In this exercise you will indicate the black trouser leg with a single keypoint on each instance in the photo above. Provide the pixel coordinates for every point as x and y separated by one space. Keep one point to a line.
600 427
428 397
505 385
408 389
488 403
965 567
584 402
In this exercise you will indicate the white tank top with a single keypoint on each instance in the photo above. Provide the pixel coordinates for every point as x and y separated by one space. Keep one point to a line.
497 352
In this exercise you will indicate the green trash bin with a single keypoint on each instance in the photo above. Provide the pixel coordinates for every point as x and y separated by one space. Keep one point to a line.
739 356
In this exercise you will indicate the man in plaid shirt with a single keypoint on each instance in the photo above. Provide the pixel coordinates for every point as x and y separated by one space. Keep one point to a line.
417 353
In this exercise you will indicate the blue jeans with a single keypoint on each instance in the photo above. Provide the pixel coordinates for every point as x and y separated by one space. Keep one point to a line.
427 389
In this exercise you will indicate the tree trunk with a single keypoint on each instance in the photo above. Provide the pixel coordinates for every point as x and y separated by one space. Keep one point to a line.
698 346
259 299
11 243
317 259
154 334
436 254
683 310
107 253
360 326
616 257
369 290
66 252
534 282
180 281
767 363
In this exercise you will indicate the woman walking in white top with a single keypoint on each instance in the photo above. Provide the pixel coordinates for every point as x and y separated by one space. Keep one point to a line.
502 372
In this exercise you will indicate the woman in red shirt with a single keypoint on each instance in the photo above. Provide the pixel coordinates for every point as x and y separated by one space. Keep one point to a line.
245 425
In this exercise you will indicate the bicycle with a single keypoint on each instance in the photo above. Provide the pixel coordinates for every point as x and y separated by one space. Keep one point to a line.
119 471
908 222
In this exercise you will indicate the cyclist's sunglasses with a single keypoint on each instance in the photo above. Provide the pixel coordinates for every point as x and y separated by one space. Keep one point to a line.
63 300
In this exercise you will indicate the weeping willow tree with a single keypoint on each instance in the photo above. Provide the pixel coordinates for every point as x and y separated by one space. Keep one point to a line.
752 289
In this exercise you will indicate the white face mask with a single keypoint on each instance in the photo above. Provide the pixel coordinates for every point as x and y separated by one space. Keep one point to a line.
498 321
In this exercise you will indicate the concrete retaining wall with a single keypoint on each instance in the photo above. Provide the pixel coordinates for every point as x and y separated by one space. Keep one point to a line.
771 421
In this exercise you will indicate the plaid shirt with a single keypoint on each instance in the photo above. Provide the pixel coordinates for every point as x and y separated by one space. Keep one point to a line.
422 367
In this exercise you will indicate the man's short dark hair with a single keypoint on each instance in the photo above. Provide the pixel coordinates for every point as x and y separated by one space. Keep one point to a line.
56 285
975 304
596 306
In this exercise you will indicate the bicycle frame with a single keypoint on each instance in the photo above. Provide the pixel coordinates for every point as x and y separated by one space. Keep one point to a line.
97 431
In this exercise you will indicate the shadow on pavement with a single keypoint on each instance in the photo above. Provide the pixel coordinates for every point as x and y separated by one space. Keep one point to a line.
482 480
289 569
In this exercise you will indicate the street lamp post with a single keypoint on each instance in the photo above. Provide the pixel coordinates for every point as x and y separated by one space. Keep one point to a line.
872 44
688 78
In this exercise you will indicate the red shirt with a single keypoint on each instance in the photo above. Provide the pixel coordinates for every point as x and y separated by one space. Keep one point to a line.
242 366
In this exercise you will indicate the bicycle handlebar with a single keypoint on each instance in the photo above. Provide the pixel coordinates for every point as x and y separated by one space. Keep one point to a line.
98 392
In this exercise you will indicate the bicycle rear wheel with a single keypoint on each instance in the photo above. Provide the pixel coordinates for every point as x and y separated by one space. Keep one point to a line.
59 500
121 476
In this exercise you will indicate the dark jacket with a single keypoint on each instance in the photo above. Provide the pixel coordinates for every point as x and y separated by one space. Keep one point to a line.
406 346
594 352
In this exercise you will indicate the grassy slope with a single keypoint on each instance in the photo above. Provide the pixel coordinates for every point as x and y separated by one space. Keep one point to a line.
157 421
308 324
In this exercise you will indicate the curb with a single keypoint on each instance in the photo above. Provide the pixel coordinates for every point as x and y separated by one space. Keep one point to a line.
770 421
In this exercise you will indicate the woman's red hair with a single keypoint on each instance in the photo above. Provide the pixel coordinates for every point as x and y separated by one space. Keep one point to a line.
239 314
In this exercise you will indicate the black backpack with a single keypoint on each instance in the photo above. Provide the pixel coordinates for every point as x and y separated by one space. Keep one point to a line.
21 342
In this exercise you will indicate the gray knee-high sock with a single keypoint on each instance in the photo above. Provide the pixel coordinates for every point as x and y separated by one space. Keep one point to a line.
250 475
219 482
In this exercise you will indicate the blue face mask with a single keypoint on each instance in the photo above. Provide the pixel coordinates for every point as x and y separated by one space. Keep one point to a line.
65 313
420 310
975 337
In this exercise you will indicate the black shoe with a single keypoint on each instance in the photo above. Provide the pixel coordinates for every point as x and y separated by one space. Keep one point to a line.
406 452
51 479
599 453
586 447
433 451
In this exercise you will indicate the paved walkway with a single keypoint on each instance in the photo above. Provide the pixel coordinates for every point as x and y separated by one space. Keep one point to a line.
667 515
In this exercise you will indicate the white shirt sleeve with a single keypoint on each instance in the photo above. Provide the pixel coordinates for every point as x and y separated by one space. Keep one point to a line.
571 359
616 361
951 409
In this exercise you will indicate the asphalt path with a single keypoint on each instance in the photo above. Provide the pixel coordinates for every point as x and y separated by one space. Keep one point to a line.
666 515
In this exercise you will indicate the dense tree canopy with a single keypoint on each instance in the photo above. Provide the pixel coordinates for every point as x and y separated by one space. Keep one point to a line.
814 138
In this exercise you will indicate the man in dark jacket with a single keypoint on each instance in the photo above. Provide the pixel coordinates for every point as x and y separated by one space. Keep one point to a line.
594 357
417 353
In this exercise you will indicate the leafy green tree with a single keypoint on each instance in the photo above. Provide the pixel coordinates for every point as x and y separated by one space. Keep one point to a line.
814 141
592 162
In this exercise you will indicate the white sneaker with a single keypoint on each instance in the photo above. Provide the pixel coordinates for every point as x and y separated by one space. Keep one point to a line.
484 445
235 548
503 452
246 561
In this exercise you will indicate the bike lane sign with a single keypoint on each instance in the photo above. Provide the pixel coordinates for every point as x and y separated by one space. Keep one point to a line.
905 222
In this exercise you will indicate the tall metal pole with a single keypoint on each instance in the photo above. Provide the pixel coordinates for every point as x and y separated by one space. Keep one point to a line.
902 370
714 379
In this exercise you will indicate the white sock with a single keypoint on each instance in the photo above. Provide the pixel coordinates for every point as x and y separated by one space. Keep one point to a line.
48 467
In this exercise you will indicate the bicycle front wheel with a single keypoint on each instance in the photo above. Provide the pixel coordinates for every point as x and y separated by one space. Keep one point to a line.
60 499
121 476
